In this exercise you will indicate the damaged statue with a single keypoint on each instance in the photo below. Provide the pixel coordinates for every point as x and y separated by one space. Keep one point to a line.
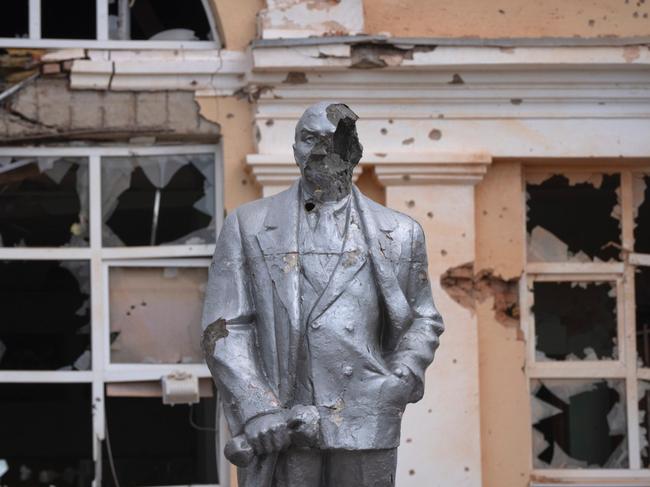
319 321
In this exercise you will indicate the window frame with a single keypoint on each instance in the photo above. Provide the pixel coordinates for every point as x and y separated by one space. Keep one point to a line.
625 367
101 40
101 259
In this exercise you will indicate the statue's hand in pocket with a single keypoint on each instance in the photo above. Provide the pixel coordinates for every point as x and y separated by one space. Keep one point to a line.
398 387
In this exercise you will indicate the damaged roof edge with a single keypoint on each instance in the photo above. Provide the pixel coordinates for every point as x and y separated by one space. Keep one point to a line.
457 41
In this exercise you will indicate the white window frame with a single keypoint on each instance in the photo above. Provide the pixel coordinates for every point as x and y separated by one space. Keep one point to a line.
101 41
625 366
100 260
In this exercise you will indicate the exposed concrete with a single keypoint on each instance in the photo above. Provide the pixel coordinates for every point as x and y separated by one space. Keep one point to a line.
48 111
508 18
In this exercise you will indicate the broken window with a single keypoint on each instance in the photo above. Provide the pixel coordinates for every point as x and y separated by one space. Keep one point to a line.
579 423
642 286
155 314
45 315
644 422
641 193
575 320
14 21
46 435
43 202
71 19
155 200
161 21
573 217
173 445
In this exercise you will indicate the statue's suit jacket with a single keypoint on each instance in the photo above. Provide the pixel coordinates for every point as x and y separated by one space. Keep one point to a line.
253 314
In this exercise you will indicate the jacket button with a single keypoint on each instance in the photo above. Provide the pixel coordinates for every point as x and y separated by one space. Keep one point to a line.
315 324
347 371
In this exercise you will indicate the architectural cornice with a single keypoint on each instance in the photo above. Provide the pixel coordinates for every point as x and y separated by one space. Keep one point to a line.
392 169
217 71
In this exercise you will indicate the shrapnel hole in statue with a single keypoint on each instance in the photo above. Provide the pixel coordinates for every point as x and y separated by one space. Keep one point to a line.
319 321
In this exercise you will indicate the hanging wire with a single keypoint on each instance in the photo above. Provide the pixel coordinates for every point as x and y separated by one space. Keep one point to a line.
196 426
111 461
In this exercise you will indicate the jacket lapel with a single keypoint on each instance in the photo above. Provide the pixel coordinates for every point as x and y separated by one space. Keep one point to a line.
348 265
374 222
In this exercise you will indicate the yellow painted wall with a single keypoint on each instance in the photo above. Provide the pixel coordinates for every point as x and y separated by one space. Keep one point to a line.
507 18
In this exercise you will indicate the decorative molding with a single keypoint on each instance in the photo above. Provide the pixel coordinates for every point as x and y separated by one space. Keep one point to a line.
219 72
278 169
394 169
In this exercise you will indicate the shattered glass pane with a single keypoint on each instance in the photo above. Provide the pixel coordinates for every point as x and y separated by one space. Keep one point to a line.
642 295
157 200
173 445
155 20
573 218
43 202
575 320
46 435
641 213
155 314
579 423
644 422
45 315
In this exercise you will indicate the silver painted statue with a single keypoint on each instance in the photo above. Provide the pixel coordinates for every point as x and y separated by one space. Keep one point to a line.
319 321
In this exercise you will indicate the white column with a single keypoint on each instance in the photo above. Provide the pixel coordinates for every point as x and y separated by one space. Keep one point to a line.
441 438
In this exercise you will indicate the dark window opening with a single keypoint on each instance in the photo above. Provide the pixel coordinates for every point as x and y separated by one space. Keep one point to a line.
642 220
158 200
575 320
644 422
45 315
155 20
155 444
573 221
46 435
43 202
14 21
70 19
579 424
642 295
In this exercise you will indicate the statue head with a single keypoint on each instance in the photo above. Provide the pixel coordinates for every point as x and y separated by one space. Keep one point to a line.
327 149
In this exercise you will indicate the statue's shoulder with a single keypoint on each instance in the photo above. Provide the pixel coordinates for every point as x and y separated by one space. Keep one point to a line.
390 217
251 215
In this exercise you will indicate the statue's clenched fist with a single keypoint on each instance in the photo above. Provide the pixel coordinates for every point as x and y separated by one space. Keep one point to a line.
268 433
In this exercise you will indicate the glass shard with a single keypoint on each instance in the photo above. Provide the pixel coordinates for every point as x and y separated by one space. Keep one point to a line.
642 213
575 320
579 423
155 314
573 218
157 200
642 297
45 315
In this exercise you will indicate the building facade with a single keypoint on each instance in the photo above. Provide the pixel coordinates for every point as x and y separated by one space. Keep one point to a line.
516 133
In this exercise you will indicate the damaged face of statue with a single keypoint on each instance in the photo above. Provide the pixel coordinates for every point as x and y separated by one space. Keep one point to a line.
327 149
